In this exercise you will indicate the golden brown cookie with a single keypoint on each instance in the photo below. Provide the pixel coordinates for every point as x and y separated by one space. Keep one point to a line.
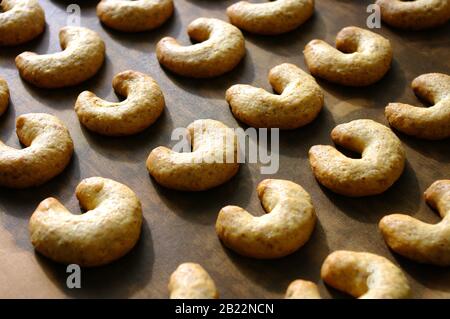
4 96
270 18
286 227
48 149
212 162
143 105
431 123
381 163
191 281
302 289
415 15
419 241
361 57
221 46
298 102
82 56
134 16
20 21
364 275
107 231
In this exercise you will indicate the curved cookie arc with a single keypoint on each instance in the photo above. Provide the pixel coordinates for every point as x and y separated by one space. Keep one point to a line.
221 47
432 123
381 164
191 281
82 56
271 18
212 161
361 57
365 275
298 102
286 227
48 150
107 231
143 105
417 240
20 21
134 16
414 15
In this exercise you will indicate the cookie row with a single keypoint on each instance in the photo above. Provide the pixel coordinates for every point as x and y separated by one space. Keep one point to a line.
382 155
112 224
360 274
24 20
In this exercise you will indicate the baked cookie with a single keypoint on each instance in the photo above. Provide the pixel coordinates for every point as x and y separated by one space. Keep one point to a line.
82 56
419 241
416 14
364 275
286 227
20 21
221 46
143 105
361 57
302 289
298 102
134 16
191 281
270 18
212 162
48 149
4 96
381 163
107 231
431 123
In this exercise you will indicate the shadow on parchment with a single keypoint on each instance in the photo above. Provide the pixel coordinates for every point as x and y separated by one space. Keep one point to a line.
69 94
370 209
40 43
146 41
302 264
281 44
8 124
133 148
430 276
120 279
202 207
386 90
438 150
215 87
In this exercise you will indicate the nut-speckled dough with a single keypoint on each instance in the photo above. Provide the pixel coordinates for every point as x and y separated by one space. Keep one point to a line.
191 281
431 123
360 58
143 105
269 18
299 101
221 47
20 21
381 163
419 241
302 289
134 16
82 56
364 275
212 162
286 227
4 96
416 14
48 149
107 231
